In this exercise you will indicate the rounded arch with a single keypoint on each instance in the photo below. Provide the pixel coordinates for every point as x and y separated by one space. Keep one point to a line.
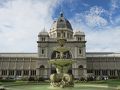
80 71
42 66
67 55
80 66
70 71
56 55
42 70
53 69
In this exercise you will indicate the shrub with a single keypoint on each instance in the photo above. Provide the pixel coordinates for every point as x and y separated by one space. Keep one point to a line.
82 79
41 79
6 80
25 79
1 78
113 77
31 79
90 79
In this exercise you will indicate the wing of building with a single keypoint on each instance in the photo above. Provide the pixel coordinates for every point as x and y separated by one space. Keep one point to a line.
36 65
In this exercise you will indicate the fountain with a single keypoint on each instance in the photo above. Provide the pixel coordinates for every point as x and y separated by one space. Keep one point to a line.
62 78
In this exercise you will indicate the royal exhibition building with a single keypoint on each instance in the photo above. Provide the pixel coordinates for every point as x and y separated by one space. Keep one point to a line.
87 64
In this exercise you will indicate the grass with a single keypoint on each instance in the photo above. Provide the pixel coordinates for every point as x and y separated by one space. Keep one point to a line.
115 82
109 82
18 83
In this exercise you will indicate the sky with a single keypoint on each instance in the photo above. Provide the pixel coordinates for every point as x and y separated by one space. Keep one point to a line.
22 20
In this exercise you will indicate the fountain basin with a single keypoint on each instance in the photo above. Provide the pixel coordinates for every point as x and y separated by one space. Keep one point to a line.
76 87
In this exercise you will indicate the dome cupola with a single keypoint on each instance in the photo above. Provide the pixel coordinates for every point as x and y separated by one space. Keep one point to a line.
62 23
61 27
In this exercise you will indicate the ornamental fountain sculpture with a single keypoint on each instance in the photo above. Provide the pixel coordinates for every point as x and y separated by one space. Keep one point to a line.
62 64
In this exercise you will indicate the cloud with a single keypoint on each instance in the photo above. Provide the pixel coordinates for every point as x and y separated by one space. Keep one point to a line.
103 38
117 20
21 21
115 4
95 21
93 17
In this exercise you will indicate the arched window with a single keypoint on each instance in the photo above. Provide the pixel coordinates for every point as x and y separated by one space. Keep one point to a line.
79 38
70 70
42 66
43 51
67 55
79 51
42 70
58 34
53 69
80 66
80 71
43 39
56 55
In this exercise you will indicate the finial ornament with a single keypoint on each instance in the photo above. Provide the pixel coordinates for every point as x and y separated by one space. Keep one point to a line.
61 12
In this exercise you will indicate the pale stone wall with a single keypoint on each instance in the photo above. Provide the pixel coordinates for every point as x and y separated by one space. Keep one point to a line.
9 66
110 64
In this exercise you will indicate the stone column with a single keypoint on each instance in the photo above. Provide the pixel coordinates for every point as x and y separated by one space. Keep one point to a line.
30 67
1 66
85 73
75 52
116 74
48 71
74 70
8 67
14 73
7 73
101 72
108 72
0 72
37 72
22 68
15 67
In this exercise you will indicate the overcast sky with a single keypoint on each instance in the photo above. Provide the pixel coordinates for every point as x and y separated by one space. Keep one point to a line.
22 20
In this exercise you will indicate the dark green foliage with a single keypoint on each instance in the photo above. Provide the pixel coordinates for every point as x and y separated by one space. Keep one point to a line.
41 79
90 79
113 77
82 79
7 80
31 79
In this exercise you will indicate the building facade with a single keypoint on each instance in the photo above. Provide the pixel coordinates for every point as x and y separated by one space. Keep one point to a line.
36 65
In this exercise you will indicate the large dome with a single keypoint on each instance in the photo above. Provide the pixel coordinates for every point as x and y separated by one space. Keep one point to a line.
62 23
